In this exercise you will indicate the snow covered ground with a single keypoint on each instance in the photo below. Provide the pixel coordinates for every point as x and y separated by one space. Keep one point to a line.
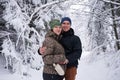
5 74
90 68
92 71
94 66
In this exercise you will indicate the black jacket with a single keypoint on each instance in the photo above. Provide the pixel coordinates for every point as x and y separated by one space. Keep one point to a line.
72 46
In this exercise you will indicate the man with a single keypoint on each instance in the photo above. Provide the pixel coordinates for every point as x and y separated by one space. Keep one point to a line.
72 46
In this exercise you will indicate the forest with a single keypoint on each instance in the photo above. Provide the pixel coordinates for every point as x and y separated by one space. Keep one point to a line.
24 23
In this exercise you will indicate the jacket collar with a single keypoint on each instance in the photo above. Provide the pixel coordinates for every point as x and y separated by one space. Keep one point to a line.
52 35
68 33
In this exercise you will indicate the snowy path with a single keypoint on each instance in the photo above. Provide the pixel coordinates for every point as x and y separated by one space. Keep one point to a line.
92 71
86 71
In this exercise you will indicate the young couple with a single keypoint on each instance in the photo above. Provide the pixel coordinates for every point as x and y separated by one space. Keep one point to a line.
61 47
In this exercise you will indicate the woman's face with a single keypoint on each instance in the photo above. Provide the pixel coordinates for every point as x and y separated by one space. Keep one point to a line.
57 30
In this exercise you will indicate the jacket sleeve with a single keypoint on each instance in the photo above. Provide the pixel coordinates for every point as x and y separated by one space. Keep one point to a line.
76 50
48 54
59 58
39 52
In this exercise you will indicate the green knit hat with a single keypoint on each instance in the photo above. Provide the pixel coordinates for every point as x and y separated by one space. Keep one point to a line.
54 22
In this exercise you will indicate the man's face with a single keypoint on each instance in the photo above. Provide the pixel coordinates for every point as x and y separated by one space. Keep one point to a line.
66 26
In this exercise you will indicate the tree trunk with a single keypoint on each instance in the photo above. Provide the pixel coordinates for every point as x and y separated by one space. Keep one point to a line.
115 26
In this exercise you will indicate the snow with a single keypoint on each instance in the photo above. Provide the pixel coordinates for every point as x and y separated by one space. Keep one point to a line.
102 67
5 74
92 71
99 68
99 63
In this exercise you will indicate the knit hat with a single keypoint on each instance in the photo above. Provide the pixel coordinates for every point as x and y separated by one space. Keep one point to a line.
54 22
66 19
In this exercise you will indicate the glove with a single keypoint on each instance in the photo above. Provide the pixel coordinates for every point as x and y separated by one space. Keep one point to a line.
59 69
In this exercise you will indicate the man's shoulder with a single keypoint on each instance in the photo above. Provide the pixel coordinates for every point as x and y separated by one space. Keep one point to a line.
75 37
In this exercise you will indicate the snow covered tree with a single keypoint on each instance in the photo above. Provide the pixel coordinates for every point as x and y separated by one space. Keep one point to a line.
102 29
24 24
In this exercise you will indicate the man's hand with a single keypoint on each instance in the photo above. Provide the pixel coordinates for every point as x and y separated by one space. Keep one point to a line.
65 62
42 50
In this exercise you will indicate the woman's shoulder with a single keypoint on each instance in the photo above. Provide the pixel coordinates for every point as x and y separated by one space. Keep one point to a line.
49 40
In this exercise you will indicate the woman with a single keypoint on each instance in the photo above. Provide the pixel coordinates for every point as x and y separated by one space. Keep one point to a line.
54 52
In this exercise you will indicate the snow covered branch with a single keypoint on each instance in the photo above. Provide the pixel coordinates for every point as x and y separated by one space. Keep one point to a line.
43 6
107 11
118 39
92 9
84 4
115 3
5 33
116 19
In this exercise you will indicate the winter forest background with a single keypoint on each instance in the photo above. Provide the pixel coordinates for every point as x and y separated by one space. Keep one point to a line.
23 24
